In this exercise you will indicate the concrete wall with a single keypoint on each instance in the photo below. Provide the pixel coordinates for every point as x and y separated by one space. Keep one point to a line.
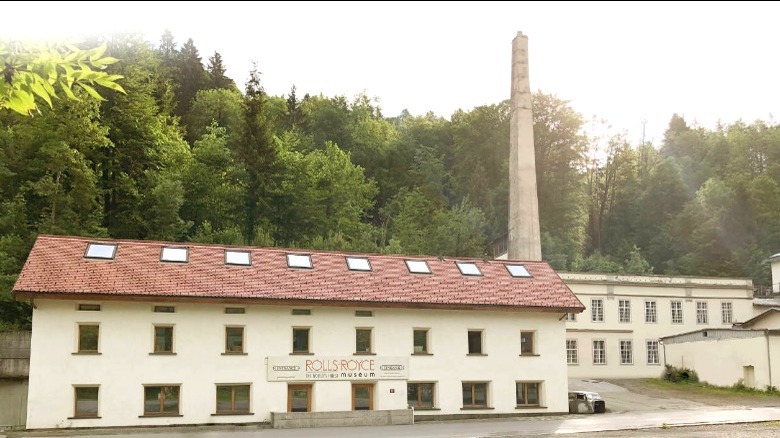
722 362
638 290
13 403
771 321
293 420
124 364
15 354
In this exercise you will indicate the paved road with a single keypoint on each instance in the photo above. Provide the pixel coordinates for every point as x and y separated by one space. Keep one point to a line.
528 426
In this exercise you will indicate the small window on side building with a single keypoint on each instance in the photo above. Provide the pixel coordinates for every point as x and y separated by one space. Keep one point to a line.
105 251
174 254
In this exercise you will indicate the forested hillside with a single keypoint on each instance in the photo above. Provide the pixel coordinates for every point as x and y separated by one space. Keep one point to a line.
185 155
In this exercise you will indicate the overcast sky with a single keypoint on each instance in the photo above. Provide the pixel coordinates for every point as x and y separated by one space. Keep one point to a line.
623 62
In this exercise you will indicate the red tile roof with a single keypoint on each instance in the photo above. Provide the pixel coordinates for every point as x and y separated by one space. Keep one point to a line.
56 266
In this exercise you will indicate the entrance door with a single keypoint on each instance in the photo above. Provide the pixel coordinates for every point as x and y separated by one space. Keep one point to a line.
299 398
749 376
362 397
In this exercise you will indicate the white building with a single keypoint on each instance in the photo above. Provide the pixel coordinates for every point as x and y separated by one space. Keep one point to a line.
151 333
626 315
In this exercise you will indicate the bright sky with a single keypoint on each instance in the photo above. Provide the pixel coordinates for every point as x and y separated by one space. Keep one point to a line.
624 62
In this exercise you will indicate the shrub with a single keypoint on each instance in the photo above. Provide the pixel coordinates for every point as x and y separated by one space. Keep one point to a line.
674 374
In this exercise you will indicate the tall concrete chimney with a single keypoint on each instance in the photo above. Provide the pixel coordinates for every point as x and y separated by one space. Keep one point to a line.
524 242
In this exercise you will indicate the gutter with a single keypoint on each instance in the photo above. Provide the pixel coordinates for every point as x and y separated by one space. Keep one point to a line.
768 356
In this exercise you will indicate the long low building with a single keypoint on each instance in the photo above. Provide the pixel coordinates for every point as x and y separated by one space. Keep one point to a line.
155 333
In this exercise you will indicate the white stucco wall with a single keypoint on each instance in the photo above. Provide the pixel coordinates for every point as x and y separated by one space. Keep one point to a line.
722 362
124 364
775 262
770 321
638 290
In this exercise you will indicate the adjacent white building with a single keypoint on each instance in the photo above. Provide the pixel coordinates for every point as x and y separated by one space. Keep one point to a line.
619 334
153 333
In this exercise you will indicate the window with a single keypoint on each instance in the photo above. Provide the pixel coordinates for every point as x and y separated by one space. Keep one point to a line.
599 352
624 311
164 309
527 393
86 404
518 271
299 398
419 395
299 261
475 341
468 268
677 313
362 397
527 343
88 338
651 312
652 353
364 313
420 341
235 310
163 339
232 399
362 341
105 251
161 400
418 266
171 254
726 313
238 258
475 395
358 264
234 340
301 311
571 352
571 317
300 340
597 310
701 312
626 353
89 307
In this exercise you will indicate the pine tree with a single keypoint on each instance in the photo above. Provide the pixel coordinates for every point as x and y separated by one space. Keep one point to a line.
216 70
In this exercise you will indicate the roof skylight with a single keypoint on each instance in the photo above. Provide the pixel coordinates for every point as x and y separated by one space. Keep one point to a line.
299 261
233 257
105 251
518 271
418 266
358 264
468 268
173 254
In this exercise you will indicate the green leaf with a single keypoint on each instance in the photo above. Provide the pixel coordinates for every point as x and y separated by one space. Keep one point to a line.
40 91
97 52
108 60
68 92
91 91
111 85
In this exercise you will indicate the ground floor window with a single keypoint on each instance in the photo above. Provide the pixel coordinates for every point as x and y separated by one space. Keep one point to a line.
571 352
626 353
86 405
528 393
362 397
475 395
652 353
299 398
232 399
161 400
419 395
599 352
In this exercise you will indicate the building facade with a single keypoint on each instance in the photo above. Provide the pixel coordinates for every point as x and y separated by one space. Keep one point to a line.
618 335
153 333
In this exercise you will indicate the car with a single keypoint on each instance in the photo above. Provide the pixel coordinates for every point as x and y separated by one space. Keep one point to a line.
586 402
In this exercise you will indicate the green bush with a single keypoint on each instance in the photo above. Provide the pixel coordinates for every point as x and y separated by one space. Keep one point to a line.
674 374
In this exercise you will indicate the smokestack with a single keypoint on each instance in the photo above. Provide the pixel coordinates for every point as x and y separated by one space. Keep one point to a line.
524 242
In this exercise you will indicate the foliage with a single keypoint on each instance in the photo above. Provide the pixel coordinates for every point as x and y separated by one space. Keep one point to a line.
680 375
40 71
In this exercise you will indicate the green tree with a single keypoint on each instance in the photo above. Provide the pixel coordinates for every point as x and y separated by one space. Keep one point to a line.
221 106
216 71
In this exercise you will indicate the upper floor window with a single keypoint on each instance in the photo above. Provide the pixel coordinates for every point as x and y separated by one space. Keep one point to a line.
89 307
626 353
105 251
701 313
88 338
527 346
234 340
420 341
363 341
677 312
597 310
163 339
651 312
301 340
624 311
475 341
726 313
174 254
571 317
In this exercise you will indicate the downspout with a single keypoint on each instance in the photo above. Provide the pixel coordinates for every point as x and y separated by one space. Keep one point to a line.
768 357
